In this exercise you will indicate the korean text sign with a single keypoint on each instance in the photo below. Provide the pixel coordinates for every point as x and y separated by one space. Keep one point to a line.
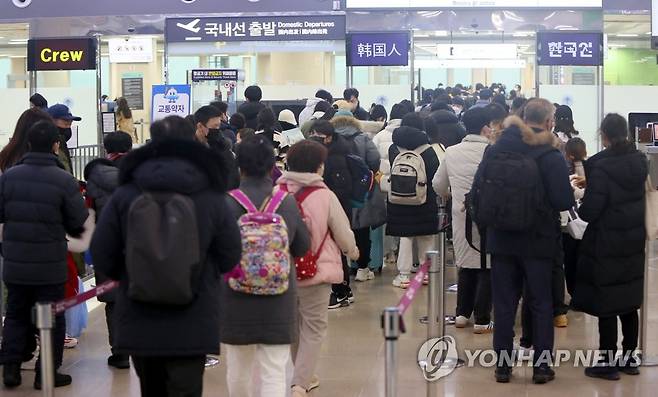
569 48
214 74
378 49
267 28
170 100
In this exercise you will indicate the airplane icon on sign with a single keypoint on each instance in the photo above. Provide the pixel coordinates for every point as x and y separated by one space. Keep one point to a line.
192 26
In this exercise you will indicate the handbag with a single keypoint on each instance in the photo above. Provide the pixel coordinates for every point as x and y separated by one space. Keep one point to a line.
575 226
651 214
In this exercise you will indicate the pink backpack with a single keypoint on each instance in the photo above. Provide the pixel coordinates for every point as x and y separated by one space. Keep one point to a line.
265 265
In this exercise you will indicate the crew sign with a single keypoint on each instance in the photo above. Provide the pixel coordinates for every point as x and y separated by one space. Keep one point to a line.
61 54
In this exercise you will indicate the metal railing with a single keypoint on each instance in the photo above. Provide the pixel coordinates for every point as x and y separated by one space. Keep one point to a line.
81 156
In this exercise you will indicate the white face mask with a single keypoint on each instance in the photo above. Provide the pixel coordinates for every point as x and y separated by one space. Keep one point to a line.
457 109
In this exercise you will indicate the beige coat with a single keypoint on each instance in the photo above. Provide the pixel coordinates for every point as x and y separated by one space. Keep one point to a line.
127 125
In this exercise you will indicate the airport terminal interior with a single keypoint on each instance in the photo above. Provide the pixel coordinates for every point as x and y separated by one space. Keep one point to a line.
175 57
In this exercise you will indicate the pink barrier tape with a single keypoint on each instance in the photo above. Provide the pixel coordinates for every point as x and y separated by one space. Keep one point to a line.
63 305
414 287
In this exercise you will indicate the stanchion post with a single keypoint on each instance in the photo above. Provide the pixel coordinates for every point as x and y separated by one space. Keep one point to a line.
391 327
434 297
645 359
45 319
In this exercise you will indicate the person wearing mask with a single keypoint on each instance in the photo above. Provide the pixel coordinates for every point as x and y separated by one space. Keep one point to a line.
309 110
168 342
458 106
125 119
224 126
257 331
290 133
250 109
413 223
338 179
454 180
40 204
331 238
323 110
610 277
63 119
207 120
351 95
19 144
564 124
102 176
484 96
38 101
348 127
527 253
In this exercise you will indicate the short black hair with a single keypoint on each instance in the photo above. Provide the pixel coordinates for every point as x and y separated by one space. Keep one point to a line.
42 136
253 93
378 111
413 120
323 127
255 156
615 128
496 112
322 106
172 127
408 105
39 101
398 111
518 103
475 119
265 119
117 142
349 93
577 148
205 113
324 94
221 106
306 156
237 120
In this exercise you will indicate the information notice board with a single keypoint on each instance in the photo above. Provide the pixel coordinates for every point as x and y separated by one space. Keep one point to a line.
132 88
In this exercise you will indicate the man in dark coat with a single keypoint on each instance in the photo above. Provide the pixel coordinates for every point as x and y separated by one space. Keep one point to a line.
351 95
528 255
610 271
413 223
170 342
250 109
39 204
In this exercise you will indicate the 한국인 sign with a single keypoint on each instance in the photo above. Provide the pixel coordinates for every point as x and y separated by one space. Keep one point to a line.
569 48
267 28
378 49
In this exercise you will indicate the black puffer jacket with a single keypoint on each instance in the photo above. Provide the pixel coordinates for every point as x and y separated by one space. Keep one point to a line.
39 204
250 111
159 330
407 220
610 272
337 174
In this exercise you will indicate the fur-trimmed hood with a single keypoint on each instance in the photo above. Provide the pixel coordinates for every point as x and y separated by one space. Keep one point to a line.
346 125
174 165
529 136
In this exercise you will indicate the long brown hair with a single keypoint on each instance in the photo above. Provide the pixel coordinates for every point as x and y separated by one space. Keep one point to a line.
18 144
123 108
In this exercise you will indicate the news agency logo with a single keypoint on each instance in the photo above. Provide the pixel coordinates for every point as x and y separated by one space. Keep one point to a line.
438 358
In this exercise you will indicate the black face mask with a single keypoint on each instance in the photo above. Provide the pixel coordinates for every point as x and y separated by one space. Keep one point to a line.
318 139
213 131
66 133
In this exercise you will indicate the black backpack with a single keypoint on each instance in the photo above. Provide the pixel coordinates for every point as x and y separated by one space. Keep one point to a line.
510 191
163 253
363 179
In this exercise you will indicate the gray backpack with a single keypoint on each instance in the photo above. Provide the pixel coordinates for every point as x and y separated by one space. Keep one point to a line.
408 178
163 254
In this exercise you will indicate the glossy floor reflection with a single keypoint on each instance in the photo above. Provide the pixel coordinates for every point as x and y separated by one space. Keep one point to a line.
352 362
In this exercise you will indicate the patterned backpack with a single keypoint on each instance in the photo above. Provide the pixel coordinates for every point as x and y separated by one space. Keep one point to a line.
265 265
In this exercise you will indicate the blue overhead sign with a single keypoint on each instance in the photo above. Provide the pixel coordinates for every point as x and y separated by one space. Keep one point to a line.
378 49
569 48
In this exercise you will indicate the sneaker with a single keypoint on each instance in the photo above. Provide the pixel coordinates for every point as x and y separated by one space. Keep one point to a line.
542 375
336 302
61 380
211 362
461 322
630 367
11 374
503 374
401 281
364 275
483 328
315 383
69 342
298 391
118 361
415 267
452 288
602 371
350 297
560 321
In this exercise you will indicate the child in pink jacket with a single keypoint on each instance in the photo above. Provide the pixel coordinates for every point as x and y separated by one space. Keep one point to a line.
322 213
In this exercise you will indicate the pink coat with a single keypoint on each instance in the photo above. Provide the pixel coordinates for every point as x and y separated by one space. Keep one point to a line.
323 212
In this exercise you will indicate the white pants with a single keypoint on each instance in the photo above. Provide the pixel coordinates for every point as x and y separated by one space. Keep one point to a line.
405 256
271 361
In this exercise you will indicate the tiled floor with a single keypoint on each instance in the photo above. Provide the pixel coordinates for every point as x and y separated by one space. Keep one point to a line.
352 358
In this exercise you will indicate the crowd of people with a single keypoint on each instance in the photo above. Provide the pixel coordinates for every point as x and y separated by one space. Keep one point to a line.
244 230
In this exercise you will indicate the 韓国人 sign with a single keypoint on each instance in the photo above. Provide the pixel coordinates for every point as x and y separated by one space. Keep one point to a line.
170 100
214 74
569 48
61 54
378 49
267 28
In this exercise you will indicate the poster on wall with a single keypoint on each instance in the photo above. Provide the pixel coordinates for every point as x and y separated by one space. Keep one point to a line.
569 49
131 50
377 49
170 100
132 88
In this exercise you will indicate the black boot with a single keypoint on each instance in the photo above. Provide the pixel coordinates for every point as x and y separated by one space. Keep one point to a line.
603 371
12 375
118 361
503 374
630 366
60 380
542 375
